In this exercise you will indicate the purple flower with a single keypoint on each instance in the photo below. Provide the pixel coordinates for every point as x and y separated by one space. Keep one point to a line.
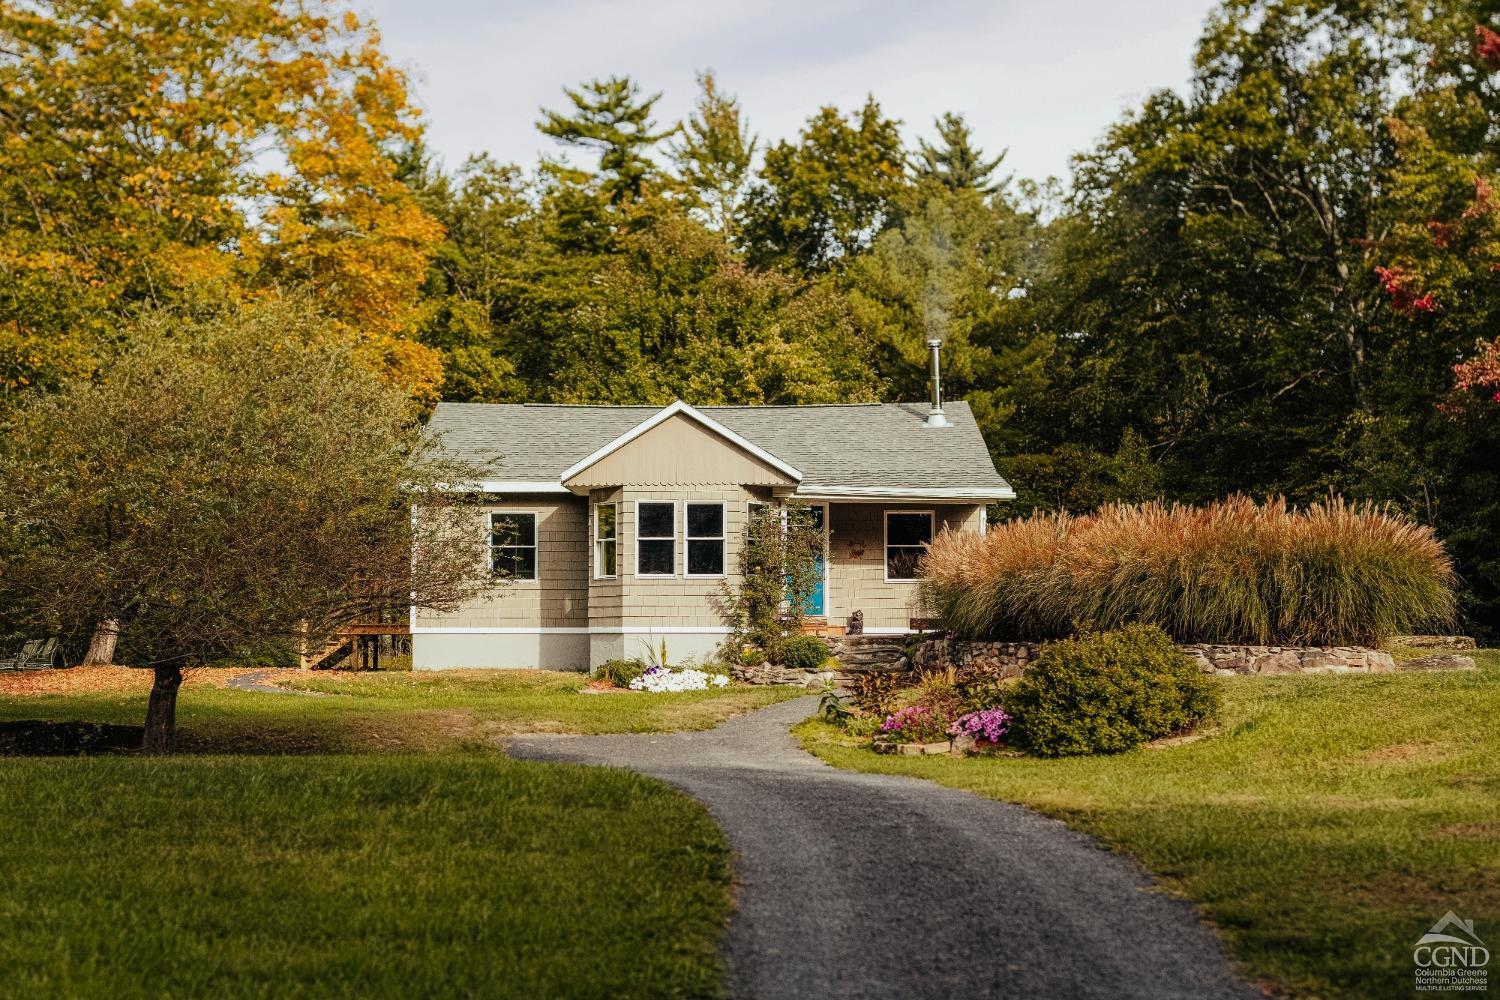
904 717
988 724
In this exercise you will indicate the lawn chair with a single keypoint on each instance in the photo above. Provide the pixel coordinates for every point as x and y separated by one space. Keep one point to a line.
34 654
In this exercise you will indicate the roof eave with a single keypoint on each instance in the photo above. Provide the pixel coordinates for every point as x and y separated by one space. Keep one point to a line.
950 494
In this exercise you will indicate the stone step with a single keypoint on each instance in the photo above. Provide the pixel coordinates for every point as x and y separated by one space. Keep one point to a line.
875 642
871 655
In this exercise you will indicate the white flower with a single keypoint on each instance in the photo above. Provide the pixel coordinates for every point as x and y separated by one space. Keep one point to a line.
660 681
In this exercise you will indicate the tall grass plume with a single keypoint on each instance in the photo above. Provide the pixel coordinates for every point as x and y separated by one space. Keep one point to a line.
1331 573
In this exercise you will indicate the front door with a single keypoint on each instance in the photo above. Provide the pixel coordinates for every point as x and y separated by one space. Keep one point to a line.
816 604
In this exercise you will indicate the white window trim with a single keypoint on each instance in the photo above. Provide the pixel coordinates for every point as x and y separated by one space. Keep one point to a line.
595 539
722 538
636 535
536 534
885 547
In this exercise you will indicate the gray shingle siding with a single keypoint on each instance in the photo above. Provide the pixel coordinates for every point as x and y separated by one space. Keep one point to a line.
861 446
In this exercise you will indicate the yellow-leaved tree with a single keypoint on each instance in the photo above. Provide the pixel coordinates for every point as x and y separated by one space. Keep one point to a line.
196 152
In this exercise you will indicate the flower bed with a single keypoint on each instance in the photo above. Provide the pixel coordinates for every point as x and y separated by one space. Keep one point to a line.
660 680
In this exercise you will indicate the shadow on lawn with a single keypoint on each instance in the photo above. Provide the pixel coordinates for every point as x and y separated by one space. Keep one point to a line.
37 738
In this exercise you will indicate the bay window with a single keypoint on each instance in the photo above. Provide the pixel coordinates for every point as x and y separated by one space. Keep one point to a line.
705 539
605 541
655 539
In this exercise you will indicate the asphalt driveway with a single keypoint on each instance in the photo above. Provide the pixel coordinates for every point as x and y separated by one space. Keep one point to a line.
861 885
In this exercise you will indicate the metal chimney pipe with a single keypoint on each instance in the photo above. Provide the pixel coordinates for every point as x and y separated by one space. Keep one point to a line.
935 417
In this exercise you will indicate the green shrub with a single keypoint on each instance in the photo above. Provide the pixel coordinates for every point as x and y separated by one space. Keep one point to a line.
802 652
621 672
1232 571
1107 693
862 725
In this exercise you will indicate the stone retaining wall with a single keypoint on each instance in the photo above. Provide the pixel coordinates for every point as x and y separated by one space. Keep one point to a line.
1290 659
1007 659
865 654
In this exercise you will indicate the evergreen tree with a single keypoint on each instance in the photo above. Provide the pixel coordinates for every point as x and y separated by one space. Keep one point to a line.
713 157
956 163
611 117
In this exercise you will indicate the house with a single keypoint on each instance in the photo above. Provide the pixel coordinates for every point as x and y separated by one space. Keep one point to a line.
617 525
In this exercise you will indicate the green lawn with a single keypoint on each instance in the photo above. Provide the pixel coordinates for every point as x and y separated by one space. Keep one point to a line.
1328 825
321 865
412 711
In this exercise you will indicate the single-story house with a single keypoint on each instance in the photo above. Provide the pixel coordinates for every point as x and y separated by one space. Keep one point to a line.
618 524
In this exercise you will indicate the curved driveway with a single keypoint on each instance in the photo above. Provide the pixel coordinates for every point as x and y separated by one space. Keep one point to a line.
863 885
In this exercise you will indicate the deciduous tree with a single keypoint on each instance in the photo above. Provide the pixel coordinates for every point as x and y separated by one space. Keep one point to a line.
227 487
182 152
822 200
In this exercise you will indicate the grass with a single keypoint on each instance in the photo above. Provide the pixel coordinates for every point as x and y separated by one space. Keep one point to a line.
375 843
1324 828
393 711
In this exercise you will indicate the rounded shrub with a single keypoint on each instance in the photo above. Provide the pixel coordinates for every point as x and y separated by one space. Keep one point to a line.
802 652
1108 693
620 672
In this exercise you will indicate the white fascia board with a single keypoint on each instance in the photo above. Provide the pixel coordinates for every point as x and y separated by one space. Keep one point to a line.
505 486
521 486
667 413
667 630
951 493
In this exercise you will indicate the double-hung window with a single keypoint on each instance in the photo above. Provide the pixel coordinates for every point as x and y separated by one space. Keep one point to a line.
907 534
605 541
655 539
513 544
705 539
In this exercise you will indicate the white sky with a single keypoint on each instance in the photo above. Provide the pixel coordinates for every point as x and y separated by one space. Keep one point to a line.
1042 78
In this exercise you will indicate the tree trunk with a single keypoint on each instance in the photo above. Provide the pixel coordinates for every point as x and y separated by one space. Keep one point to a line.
161 711
102 645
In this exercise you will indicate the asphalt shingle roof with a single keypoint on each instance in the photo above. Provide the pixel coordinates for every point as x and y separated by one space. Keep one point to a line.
866 445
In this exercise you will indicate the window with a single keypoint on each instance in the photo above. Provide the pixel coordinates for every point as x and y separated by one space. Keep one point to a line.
705 539
907 533
604 540
655 539
513 544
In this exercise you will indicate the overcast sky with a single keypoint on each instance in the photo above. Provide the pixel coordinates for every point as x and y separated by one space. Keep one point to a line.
1042 77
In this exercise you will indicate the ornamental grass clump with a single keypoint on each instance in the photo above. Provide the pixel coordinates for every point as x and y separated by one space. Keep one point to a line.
1333 573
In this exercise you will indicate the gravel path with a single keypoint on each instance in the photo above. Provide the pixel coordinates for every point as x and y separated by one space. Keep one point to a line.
862 885
258 680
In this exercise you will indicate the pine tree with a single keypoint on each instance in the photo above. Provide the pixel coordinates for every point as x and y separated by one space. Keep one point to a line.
612 117
956 163
713 157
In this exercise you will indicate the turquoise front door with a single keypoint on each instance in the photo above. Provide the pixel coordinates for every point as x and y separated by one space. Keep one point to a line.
815 604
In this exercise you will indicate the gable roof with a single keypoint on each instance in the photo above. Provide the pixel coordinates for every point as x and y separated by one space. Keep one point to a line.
665 414
847 450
